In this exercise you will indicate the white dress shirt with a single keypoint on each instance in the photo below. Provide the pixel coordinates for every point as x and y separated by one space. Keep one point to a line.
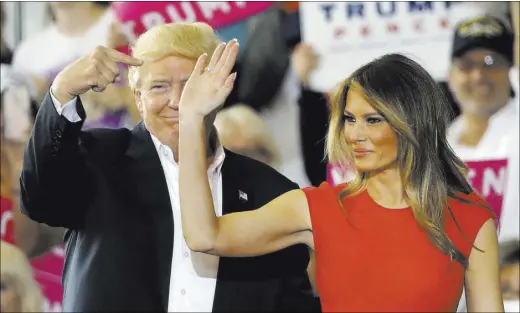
193 275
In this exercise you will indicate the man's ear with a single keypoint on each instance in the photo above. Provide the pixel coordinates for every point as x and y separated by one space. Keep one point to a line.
138 102
449 77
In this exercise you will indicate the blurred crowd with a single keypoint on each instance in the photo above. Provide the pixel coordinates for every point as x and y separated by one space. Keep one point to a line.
272 115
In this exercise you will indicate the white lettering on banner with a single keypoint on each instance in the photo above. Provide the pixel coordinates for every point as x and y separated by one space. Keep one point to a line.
136 17
492 181
207 8
489 179
187 10
152 19
51 307
361 10
471 174
127 28
187 14
7 216
58 251
362 31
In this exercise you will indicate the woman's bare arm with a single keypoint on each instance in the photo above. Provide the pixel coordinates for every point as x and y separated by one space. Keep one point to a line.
283 222
483 293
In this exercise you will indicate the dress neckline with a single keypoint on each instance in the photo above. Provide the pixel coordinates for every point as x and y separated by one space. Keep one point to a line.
366 195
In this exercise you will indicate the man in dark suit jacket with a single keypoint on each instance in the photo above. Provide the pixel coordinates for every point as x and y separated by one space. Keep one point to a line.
116 193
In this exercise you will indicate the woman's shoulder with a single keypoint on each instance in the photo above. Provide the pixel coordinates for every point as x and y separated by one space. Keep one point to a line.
470 206
324 206
324 198
467 214
324 190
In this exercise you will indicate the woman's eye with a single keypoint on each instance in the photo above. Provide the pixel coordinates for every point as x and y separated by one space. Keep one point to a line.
349 118
373 120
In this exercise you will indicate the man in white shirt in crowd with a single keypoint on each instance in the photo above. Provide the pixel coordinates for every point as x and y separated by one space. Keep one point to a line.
76 29
488 127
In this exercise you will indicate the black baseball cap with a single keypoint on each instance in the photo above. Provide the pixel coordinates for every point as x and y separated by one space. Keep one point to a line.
483 32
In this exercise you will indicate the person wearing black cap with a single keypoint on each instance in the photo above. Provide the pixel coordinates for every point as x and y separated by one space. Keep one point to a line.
482 55
488 127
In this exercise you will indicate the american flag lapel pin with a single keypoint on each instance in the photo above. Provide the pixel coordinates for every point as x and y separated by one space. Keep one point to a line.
242 195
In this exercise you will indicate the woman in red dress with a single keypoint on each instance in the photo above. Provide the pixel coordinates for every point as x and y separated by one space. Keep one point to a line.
404 236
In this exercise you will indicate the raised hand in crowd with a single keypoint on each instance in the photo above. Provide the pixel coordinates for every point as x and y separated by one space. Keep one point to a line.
91 72
304 61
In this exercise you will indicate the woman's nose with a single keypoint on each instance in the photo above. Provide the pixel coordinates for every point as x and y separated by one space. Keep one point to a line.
355 132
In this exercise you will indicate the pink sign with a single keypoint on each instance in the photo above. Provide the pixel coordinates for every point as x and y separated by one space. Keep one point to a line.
337 175
489 179
47 268
137 17
47 272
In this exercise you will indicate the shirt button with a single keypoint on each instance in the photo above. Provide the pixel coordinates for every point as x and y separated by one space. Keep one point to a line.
186 254
183 292
165 152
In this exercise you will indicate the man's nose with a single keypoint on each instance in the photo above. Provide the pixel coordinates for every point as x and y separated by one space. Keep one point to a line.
173 103
173 100
478 74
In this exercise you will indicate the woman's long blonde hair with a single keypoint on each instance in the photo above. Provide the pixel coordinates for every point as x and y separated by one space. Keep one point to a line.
418 111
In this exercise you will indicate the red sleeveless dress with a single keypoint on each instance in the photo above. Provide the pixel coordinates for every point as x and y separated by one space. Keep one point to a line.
374 259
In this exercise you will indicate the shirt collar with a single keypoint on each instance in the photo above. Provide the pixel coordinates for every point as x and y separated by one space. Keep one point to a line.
215 166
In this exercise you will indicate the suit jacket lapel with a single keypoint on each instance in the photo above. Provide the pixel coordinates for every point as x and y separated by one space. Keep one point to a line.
151 191
236 195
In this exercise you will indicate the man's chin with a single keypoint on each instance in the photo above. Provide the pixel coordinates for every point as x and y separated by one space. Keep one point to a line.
171 123
171 120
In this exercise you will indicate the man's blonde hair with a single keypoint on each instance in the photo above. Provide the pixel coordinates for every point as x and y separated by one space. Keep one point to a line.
16 265
186 40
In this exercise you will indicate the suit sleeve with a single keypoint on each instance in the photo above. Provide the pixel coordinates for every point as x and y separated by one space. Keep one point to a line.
314 120
54 183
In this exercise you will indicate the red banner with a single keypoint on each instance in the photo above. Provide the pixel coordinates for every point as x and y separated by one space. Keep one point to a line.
47 271
137 17
47 268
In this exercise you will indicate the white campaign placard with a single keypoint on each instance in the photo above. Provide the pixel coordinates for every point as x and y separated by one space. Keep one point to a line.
347 35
